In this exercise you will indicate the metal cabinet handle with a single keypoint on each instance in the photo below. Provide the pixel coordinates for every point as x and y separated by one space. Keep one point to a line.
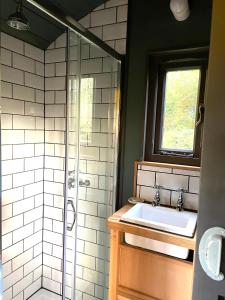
70 227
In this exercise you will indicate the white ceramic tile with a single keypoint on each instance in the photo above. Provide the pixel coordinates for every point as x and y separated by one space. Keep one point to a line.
12 195
34 136
146 178
91 66
12 166
115 31
34 163
23 63
23 206
23 178
55 55
6 212
60 97
23 122
122 13
34 287
10 43
6 57
12 278
21 151
22 233
6 89
34 81
33 189
85 286
34 52
6 121
33 215
103 17
97 31
194 185
40 96
120 46
34 109
55 83
171 181
54 110
85 21
61 41
23 93
54 137
21 259
32 240
12 224
51 285
51 261
93 276
60 69
39 68
6 182
32 265
12 106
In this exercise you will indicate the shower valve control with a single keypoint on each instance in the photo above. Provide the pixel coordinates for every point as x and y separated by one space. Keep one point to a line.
85 182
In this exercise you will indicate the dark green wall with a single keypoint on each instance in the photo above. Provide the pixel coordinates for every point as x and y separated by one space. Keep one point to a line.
151 26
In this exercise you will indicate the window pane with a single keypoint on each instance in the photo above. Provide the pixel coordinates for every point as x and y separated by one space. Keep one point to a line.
180 104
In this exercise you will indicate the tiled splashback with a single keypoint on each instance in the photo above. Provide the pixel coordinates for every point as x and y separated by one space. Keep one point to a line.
170 178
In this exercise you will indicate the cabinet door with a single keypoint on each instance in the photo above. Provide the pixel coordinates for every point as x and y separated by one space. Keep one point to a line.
151 275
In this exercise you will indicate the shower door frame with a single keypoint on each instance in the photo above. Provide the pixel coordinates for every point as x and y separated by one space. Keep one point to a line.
66 187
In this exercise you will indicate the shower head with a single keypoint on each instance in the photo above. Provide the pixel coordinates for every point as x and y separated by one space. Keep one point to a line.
18 20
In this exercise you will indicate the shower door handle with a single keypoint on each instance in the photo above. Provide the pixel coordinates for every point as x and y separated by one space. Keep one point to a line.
70 227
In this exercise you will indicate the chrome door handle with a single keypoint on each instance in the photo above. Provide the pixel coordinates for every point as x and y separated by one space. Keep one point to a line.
70 227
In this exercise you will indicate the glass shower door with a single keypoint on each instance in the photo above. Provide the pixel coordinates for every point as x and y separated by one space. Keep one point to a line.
92 146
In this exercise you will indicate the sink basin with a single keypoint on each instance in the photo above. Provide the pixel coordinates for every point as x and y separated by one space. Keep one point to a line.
161 218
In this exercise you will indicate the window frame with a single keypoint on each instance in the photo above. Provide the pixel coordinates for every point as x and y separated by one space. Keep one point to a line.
159 64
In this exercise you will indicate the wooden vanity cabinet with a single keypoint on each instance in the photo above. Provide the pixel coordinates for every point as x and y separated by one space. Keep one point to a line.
137 273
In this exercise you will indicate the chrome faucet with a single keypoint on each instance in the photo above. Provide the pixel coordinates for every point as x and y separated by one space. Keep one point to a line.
156 200
180 201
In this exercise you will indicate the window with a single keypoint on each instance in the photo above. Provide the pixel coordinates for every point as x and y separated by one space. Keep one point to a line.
175 107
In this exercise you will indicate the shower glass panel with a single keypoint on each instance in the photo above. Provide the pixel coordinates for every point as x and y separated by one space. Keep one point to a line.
92 144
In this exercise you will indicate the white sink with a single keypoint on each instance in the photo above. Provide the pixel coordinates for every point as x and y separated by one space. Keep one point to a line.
161 218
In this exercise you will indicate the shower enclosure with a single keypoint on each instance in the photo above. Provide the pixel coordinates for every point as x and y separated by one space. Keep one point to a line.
92 145
68 242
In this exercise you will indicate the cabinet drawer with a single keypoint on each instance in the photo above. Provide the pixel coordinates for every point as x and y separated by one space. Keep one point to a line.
155 275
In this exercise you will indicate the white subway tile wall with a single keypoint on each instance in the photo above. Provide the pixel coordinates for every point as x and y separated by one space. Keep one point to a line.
170 179
33 136
109 23
22 166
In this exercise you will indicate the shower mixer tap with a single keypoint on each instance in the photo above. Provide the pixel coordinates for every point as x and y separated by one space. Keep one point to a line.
71 182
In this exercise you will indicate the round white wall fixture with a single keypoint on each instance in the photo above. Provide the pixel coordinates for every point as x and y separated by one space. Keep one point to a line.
210 251
180 9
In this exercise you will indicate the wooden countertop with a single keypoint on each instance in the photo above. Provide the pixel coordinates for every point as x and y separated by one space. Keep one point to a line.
115 223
